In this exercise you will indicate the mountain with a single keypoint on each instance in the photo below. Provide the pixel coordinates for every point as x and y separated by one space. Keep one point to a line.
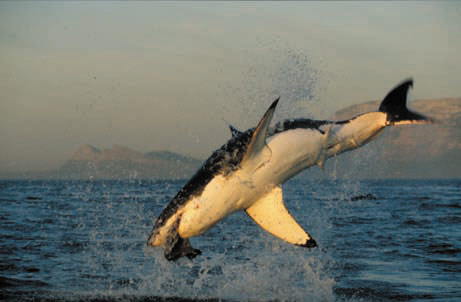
410 151
123 162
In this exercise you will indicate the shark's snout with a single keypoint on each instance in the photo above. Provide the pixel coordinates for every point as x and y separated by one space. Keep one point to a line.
153 240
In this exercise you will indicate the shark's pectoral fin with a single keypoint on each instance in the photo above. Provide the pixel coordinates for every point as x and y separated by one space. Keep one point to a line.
257 153
234 131
270 213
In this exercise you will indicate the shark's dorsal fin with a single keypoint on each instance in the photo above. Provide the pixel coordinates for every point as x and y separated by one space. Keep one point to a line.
257 152
234 131
270 213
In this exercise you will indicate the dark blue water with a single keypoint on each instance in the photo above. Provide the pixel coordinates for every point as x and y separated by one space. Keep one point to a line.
389 240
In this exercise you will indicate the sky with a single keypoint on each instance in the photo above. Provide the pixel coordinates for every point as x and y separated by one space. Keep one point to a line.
174 75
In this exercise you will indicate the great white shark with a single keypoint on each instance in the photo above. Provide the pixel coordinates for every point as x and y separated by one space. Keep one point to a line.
247 172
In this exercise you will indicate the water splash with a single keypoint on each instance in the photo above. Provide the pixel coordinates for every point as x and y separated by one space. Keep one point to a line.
85 241
273 272
276 69
240 261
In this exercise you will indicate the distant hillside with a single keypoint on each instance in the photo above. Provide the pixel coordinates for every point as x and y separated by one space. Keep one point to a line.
123 162
411 151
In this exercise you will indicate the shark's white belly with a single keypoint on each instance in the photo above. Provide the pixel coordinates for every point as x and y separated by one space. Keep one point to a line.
291 152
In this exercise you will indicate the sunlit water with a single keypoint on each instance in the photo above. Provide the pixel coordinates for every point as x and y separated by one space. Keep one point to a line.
85 241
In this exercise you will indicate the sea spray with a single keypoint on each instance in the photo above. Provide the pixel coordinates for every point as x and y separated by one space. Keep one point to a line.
275 70
85 241
242 262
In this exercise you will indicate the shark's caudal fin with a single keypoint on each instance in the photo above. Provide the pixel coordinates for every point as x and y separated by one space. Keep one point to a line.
270 213
395 106
257 152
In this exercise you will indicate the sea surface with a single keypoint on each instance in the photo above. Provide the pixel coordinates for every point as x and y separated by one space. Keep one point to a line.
386 240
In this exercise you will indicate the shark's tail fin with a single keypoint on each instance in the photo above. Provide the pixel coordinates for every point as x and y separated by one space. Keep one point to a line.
395 106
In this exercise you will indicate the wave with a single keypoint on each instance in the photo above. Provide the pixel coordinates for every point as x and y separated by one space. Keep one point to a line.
348 294
6 282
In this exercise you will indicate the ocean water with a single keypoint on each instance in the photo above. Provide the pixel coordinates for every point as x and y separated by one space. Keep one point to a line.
386 240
